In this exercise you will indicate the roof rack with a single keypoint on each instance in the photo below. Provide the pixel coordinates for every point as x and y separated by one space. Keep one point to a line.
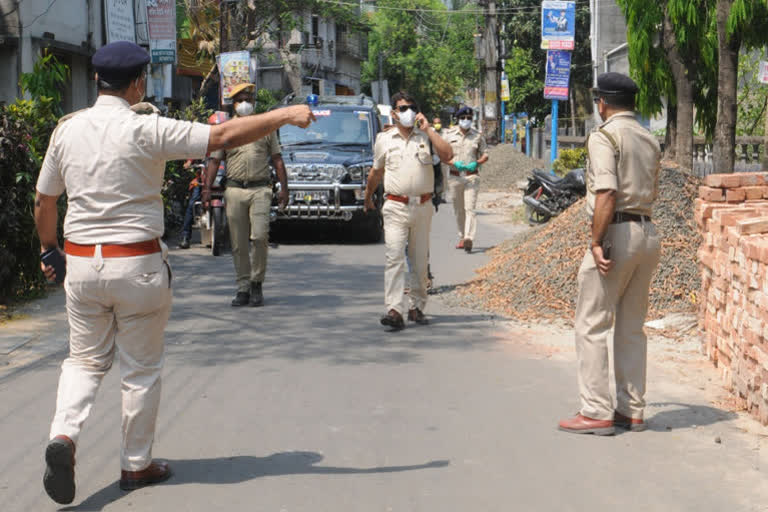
360 99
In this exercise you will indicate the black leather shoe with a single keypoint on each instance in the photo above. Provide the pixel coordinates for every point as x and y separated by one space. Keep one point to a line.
415 315
59 478
184 243
393 320
257 298
467 245
241 299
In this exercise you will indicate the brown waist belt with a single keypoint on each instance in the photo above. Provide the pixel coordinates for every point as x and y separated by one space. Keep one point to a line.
404 199
457 173
619 217
113 251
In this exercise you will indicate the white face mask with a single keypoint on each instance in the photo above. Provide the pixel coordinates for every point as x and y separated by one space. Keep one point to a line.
465 124
407 118
244 108
142 95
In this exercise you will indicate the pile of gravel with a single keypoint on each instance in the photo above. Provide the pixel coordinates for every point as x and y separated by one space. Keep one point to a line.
506 167
533 276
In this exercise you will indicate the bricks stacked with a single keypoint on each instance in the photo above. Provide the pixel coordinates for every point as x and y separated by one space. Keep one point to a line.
732 214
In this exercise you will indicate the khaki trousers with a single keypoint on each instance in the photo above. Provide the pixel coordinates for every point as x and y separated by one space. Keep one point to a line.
464 192
406 226
123 304
619 301
248 219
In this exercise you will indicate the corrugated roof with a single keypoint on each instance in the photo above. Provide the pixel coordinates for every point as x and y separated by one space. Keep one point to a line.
188 63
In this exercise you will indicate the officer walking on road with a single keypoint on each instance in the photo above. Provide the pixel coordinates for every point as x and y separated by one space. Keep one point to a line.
402 157
111 161
615 275
469 152
248 198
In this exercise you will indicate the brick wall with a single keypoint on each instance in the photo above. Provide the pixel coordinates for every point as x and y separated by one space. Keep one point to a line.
732 214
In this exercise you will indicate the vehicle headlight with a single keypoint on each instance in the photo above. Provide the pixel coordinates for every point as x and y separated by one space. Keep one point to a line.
358 172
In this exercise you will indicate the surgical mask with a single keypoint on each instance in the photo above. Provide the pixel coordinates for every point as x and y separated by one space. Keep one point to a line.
407 118
465 124
143 95
437 126
244 108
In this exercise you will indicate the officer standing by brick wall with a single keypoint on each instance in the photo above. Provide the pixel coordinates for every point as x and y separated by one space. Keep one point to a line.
615 274
403 159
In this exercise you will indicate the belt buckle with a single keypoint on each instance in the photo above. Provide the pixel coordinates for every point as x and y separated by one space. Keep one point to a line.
414 200
463 174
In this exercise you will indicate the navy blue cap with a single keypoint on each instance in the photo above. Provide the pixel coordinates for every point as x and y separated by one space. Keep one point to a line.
615 84
121 60
463 111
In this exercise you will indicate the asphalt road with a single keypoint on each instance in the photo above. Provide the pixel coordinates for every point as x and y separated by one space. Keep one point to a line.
307 404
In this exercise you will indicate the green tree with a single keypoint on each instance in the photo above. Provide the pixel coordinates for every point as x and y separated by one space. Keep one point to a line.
425 50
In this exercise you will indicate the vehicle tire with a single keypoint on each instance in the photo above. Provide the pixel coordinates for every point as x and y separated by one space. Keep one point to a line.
217 231
536 217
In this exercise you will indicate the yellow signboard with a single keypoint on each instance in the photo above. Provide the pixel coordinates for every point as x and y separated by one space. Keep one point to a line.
504 89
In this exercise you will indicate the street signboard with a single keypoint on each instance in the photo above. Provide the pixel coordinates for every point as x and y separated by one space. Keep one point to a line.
504 89
762 75
161 16
120 21
234 69
162 51
558 25
558 75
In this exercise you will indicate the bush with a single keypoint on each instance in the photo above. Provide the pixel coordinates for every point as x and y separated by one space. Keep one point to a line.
570 159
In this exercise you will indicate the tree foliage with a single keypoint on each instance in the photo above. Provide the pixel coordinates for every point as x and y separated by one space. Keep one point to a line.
429 54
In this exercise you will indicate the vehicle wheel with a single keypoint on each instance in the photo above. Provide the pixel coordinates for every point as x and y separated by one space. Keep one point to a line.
217 231
535 216
373 227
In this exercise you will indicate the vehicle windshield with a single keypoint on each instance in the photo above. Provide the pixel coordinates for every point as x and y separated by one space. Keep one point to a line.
332 127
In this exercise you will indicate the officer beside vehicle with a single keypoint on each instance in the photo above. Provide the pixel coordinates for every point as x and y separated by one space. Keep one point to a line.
248 198
470 151
615 274
403 159
111 162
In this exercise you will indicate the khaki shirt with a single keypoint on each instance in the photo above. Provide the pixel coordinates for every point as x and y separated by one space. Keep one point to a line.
407 163
634 174
469 147
250 162
111 162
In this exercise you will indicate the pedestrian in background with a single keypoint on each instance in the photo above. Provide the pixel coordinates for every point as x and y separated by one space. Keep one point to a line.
469 153
248 199
615 274
110 162
403 159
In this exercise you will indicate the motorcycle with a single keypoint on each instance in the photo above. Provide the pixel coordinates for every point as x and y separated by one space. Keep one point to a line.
212 222
547 195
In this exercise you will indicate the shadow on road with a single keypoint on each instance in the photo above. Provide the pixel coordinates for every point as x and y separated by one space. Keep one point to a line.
679 415
238 469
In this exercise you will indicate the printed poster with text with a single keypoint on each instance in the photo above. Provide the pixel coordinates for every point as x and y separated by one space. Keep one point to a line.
234 68
558 25
558 75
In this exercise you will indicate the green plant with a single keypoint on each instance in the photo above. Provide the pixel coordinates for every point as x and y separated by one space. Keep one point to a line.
265 99
47 77
570 159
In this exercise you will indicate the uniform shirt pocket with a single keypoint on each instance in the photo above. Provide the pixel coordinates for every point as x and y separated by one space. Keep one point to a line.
394 156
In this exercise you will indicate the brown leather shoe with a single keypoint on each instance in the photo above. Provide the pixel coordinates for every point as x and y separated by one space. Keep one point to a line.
582 425
467 245
415 315
631 424
153 474
393 320
59 478
460 245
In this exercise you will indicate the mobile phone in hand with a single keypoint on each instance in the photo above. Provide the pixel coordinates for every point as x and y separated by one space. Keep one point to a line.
52 257
606 245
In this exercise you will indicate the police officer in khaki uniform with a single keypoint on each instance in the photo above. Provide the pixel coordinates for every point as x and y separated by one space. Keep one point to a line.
248 199
402 157
615 275
469 153
111 162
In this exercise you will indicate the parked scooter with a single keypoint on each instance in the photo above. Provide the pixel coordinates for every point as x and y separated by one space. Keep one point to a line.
547 195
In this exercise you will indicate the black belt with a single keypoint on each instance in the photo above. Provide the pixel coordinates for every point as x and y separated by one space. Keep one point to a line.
248 184
619 217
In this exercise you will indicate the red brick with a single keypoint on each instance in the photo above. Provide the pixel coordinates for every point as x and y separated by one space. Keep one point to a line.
711 194
755 192
735 195
752 226
731 217
730 181
751 178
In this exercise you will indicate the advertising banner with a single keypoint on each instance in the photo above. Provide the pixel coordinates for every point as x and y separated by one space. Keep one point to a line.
234 69
161 16
762 74
558 25
120 21
558 75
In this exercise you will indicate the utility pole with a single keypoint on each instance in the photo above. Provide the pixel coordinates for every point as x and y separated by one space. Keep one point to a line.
491 97
381 78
